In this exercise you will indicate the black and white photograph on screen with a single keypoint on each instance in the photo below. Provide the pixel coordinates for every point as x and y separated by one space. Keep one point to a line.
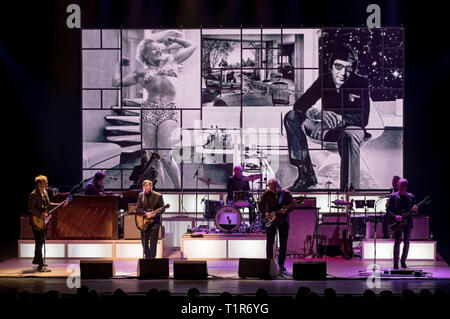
352 113
155 74
250 79
314 108
256 67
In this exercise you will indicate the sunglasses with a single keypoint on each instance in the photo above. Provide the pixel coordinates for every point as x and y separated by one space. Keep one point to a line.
339 67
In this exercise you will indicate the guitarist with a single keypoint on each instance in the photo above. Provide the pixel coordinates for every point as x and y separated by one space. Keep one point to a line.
398 202
387 219
148 201
38 204
277 199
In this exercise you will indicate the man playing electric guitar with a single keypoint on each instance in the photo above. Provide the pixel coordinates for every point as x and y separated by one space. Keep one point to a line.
399 202
148 202
276 199
38 205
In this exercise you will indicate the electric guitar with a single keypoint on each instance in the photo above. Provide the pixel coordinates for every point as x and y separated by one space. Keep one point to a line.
396 225
273 215
40 223
142 222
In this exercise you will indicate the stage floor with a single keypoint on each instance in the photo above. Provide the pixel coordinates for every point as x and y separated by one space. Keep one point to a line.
343 276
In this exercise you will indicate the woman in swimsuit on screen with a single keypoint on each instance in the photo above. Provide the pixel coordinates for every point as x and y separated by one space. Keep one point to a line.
159 79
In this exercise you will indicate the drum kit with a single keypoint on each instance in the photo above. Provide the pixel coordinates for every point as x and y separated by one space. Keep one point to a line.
228 215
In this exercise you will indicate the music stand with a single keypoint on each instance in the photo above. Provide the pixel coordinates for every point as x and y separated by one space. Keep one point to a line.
365 204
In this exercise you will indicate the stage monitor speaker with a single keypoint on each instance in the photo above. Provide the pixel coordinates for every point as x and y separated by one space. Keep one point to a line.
309 270
262 268
96 269
153 268
421 229
302 224
190 269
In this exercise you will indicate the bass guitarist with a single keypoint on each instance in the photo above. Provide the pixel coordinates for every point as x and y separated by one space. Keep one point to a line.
398 202
38 205
148 202
278 200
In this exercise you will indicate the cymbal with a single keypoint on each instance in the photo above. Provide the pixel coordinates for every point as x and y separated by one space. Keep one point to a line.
251 177
209 181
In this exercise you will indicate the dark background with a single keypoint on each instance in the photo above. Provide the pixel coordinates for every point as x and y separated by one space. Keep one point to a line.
40 69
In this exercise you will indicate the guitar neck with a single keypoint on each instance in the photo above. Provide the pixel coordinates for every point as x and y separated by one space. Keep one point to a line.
156 211
55 208
410 211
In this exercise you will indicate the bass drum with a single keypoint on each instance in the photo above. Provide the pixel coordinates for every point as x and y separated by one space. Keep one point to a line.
228 219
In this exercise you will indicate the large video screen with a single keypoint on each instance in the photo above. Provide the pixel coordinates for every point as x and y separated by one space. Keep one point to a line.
319 109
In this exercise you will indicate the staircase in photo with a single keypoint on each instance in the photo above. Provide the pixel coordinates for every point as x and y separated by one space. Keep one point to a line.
124 130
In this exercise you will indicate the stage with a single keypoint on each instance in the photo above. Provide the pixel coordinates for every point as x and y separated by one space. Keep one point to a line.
342 275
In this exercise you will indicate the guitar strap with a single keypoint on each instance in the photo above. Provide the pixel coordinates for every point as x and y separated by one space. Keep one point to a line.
281 198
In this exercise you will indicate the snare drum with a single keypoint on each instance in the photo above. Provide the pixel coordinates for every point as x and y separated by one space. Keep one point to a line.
240 199
228 219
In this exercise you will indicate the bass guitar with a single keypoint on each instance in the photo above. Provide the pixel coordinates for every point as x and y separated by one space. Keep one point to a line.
143 222
40 223
396 225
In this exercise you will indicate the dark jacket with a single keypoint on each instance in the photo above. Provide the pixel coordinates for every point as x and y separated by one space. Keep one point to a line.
236 184
352 101
150 203
37 204
94 189
270 202
393 205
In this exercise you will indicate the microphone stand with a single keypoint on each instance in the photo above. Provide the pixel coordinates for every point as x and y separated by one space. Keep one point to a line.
375 226
196 198
45 230
44 269
76 186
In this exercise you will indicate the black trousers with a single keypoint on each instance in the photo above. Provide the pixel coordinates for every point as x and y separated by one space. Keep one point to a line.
387 219
406 232
39 238
149 239
283 232
349 140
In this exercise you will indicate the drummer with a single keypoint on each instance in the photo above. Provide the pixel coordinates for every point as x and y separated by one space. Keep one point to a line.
237 184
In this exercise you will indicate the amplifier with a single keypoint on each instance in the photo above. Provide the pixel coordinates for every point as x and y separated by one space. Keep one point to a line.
333 232
130 230
305 202
334 218
421 229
